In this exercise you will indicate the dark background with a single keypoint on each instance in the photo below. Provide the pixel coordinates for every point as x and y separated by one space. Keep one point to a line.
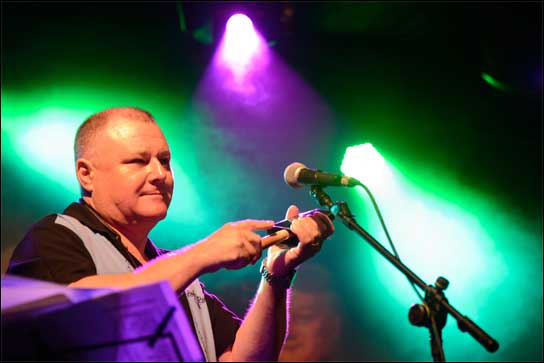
405 76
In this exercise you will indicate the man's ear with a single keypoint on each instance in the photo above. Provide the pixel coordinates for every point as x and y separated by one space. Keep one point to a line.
85 174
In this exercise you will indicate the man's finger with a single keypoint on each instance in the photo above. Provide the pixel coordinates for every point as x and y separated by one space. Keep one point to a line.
325 225
256 225
292 212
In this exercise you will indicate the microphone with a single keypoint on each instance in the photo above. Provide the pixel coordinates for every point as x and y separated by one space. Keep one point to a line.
297 174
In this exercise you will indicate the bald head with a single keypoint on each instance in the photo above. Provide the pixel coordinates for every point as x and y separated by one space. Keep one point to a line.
96 123
87 136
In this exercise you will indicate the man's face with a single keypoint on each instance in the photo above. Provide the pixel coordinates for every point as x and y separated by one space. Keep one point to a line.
132 179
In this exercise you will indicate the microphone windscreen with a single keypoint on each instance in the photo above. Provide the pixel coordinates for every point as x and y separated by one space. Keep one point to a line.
290 175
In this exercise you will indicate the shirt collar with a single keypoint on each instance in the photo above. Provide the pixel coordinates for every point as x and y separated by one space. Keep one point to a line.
87 215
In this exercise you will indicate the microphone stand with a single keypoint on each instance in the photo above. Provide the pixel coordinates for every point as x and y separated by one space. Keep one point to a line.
434 311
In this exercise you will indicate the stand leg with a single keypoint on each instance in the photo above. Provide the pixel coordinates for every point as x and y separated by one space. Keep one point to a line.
436 341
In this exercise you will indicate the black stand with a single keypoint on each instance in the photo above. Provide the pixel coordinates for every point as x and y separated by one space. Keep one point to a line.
434 312
432 315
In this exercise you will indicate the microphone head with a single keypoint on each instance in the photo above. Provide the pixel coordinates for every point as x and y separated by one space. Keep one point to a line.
290 175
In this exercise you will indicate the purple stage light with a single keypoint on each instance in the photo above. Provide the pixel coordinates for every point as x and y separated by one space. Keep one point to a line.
241 42
239 23
241 52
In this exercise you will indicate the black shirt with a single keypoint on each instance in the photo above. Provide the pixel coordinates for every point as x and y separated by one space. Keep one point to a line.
52 252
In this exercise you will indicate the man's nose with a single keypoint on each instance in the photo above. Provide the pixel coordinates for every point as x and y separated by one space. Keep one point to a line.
157 171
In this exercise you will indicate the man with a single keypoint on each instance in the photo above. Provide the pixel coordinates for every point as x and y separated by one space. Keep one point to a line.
123 167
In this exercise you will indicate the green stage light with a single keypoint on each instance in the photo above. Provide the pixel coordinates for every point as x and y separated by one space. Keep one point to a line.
46 144
494 82
38 130
181 15
204 34
491 257
366 164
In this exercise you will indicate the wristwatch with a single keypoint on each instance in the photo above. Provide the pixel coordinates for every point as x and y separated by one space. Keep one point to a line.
284 281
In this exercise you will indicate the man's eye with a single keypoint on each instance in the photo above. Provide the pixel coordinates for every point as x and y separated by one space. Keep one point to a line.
165 161
136 161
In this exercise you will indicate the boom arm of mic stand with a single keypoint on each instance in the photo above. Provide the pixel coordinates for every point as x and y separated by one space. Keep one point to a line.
341 210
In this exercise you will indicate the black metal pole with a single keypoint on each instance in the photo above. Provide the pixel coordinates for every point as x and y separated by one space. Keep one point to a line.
464 323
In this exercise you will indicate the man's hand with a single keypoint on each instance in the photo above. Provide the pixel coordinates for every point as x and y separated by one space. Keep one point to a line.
311 232
234 245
